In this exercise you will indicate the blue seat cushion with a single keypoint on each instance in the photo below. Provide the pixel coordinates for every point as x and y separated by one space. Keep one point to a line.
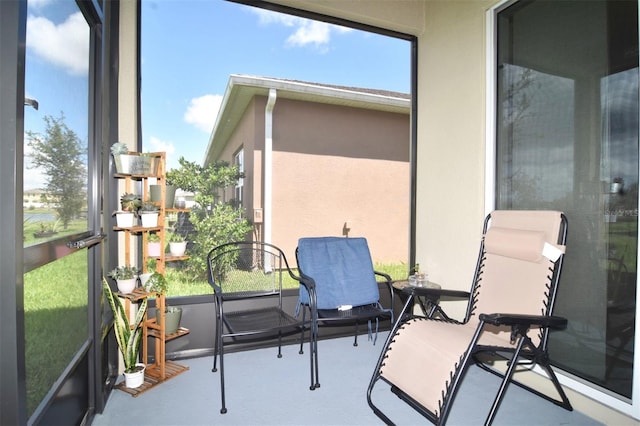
342 270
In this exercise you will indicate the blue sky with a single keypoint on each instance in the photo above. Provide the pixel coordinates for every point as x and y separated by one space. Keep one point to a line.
190 47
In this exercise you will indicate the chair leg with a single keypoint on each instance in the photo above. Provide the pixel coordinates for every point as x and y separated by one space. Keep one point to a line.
223 409
505 382
313 344
355 337
279 344
216 347
302 329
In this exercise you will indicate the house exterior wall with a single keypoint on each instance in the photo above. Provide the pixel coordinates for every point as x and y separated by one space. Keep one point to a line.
337 165
332 165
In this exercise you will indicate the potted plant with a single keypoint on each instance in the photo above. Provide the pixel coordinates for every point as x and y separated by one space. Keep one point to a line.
172 314
147 164
151 268
149 212
128 336
177 244
130 203
155 191
125 277
125 163
617 185
154 248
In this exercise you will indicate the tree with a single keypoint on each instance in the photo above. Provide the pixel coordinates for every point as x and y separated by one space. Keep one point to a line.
60 154
214 221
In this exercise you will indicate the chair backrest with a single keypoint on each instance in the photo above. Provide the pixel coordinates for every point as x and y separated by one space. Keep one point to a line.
246 269
341 269
521 257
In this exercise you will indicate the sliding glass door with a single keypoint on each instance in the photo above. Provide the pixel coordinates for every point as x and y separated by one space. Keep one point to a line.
567 139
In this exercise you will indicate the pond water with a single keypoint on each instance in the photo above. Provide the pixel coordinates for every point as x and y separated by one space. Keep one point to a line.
40 217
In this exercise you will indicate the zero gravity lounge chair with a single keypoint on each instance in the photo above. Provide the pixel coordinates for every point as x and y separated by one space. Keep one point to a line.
508 317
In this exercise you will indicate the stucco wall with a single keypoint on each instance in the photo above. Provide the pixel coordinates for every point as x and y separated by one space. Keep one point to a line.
332 166
451 141
335 165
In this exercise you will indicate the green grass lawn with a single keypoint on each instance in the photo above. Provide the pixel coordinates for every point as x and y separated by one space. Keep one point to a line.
181 284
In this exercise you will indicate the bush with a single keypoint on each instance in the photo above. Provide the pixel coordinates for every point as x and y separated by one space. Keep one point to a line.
214 222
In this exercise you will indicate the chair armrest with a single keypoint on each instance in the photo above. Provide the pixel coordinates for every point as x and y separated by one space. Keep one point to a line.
435 292
386 277
524 320
305 281
389 282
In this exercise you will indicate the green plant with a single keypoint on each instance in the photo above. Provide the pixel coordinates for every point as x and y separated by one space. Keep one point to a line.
175 237
157 282
152 263
153 238
124 272
214 222
148 207
119 148
128 336
130 202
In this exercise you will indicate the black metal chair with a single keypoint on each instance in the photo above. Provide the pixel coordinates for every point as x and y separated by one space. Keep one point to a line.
344 288
508 318
247 280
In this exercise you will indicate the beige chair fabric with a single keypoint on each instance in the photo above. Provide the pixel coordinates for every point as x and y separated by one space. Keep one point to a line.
424 356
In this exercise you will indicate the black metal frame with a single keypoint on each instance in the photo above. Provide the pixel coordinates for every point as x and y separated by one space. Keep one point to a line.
264 322
524 353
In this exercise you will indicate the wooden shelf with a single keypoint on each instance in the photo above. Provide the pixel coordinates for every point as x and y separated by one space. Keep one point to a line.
152 377
181 332
161 369
138 229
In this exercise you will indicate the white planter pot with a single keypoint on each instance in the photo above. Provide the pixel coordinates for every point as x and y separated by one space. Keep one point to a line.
149 220
136 379
177 249
153 249
126 286
143 279
124 219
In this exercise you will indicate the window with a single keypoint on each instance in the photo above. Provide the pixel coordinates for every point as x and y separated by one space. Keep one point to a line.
238 160
567 139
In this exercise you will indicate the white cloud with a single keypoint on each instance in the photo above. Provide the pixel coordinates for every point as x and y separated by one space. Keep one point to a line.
158 145
306 31
310 32
65 45
38 4
33 178
202 112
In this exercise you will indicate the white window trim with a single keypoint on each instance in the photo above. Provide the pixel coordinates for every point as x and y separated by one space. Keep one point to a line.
630 408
